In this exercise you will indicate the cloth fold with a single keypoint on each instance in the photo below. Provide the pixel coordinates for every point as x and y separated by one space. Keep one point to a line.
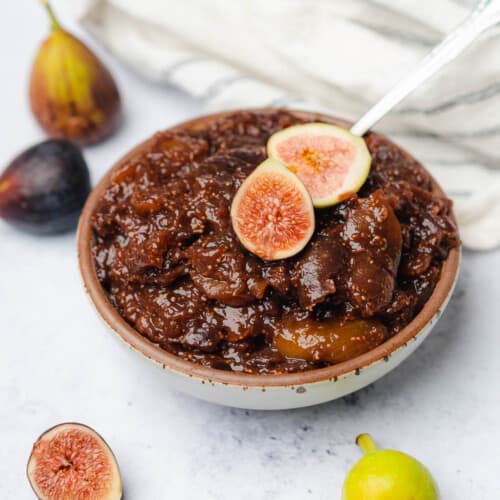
334 56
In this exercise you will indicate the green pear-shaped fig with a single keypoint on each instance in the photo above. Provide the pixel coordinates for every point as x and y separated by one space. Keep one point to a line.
387 475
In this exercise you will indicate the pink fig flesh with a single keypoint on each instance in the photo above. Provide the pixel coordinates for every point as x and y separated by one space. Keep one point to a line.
72 461
272 212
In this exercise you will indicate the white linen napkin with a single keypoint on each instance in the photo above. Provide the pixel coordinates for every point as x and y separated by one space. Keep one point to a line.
337 56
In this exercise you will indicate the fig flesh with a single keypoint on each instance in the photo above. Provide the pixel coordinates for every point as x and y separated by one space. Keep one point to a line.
331 341
330 161
72 94
388 475
272 213
72 461
43 190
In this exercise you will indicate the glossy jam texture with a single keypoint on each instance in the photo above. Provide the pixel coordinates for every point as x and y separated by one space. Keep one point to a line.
165 252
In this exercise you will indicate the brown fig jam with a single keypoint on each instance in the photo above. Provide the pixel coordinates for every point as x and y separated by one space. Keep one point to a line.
167 256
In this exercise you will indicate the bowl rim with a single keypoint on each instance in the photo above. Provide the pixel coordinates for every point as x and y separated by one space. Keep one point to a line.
174 363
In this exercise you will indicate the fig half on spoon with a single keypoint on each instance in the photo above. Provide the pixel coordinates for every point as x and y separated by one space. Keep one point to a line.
330 161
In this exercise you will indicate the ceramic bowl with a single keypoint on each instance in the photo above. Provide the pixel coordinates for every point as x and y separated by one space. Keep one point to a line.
267 392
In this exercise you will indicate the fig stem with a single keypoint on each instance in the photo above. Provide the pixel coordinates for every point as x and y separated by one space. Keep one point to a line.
366 443
53 18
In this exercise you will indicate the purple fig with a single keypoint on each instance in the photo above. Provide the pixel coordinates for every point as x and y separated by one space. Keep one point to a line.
43 190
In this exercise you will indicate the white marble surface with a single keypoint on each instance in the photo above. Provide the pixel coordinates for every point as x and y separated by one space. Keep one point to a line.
58 363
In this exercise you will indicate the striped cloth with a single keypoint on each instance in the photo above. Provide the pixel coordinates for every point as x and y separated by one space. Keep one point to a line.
337 56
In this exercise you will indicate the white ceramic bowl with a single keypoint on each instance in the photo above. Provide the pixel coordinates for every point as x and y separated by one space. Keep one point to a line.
266 392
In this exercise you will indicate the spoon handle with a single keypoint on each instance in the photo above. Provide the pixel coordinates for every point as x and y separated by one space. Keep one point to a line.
486 14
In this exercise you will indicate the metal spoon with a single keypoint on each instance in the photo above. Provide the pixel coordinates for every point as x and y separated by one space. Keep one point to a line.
483 16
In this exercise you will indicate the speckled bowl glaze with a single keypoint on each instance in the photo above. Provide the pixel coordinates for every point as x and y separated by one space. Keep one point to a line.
266 392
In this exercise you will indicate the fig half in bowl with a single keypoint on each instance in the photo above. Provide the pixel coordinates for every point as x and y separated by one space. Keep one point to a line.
166 271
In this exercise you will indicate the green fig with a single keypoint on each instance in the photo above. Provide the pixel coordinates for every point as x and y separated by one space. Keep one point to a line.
387 475
73 96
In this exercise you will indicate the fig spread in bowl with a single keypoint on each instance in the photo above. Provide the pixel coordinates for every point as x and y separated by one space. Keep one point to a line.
169 261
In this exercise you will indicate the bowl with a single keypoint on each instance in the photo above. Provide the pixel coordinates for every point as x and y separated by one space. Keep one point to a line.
253 391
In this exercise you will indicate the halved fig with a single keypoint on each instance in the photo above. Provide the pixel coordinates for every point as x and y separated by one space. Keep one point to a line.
272 212
330 161
72 461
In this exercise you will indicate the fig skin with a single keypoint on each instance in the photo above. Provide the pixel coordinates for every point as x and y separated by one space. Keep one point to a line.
72 94
80 457
43 190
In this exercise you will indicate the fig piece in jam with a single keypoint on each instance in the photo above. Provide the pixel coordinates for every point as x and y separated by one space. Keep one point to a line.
329 341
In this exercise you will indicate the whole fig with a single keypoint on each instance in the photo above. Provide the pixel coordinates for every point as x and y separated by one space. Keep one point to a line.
388 475
73 96
43 190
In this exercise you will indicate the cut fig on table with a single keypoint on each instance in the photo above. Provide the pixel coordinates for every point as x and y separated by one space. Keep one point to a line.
272 213
330 161
72 461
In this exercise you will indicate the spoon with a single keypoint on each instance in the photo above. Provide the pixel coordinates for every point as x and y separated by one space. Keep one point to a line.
483 16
